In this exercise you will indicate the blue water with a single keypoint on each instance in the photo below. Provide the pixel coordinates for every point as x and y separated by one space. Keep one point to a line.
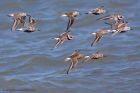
27 60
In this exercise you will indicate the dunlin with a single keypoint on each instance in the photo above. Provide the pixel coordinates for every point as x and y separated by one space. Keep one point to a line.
99 34
96 55
31 25
97 11
71 17
62 38
18 18
114 17
119 27
74 59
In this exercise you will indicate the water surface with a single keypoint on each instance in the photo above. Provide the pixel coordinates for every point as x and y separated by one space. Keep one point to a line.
27 61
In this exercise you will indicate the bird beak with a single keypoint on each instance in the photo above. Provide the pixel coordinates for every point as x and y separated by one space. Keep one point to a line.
86 13
89 12
108 23
29 15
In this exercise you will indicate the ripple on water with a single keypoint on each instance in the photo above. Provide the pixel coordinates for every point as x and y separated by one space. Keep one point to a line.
28 61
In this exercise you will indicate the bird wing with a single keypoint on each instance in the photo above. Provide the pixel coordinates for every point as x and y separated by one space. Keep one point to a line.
72 64
75 61
119 28
57 43
70 22
22 20
97 39
105 18
116 32
96 11
70 67
14 24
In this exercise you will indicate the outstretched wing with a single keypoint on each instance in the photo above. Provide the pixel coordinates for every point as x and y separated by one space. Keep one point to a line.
58 43
75 61
114 33
119 28
72 65
97 39
70 22
14 24
104 18
22 20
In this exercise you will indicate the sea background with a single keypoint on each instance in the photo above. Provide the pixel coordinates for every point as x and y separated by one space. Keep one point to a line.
29 65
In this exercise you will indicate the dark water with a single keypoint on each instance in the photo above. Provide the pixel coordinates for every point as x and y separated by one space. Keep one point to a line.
28 65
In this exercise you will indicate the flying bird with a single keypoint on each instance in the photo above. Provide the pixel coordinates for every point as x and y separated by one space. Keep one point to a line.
31 25
71 17
62 38
96 55
114 17
99 34
18 18
119 27
97 11
75 56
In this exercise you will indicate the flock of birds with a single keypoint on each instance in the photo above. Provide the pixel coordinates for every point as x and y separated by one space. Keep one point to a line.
116 23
